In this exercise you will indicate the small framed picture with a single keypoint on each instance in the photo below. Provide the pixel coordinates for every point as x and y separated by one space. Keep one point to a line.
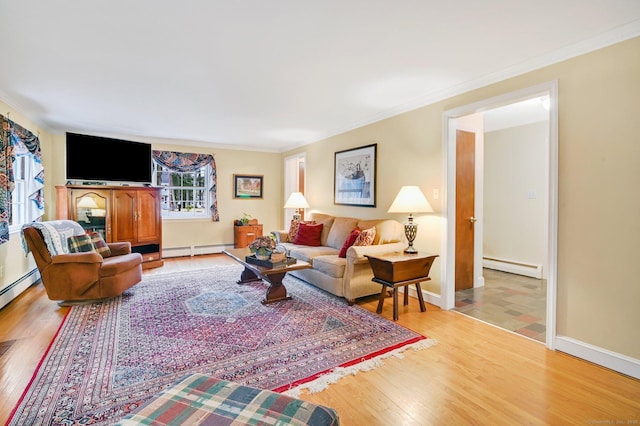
355 176
247 186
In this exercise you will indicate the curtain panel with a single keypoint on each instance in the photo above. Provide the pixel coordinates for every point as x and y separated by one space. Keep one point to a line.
13 136
188 162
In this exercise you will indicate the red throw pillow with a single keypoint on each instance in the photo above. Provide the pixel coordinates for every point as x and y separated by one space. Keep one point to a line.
309 234
349 242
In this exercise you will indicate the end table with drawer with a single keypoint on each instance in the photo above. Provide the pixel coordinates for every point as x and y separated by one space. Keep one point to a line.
243 235
394 270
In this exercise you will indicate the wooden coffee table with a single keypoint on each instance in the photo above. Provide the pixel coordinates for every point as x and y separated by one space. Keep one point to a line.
276 291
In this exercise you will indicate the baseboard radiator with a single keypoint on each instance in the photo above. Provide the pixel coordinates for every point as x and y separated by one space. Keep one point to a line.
14 289
528 270
194 250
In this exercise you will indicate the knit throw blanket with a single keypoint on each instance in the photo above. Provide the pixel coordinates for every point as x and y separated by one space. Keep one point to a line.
56 234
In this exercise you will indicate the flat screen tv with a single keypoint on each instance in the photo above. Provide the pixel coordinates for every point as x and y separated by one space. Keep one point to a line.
95 159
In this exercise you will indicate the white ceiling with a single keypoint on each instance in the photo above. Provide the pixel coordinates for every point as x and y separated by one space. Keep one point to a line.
274 74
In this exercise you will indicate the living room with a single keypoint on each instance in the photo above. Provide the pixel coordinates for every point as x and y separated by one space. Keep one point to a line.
597 105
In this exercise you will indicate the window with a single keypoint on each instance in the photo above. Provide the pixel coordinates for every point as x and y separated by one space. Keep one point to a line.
26 169
184 194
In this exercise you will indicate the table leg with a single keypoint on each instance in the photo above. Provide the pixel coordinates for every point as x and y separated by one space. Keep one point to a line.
406 295
381 299
420 298
248 276
276 291
395 303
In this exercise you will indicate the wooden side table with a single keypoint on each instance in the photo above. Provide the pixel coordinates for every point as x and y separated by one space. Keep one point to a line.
396 270
245 234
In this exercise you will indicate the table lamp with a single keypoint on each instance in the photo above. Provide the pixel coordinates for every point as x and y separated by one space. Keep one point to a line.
296 201
410 200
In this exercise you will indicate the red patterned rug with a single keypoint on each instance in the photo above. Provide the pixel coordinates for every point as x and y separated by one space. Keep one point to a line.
110 357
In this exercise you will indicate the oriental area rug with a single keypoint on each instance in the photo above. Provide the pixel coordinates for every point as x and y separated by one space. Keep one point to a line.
110 357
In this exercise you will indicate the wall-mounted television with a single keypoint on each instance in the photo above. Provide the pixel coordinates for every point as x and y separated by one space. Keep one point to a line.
95 159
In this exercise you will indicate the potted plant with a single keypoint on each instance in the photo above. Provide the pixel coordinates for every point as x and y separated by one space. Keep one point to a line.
262 247
245 218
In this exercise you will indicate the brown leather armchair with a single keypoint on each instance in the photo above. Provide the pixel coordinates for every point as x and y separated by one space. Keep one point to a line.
84 277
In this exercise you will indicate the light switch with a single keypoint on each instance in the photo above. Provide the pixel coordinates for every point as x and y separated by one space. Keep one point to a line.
436 193
532 195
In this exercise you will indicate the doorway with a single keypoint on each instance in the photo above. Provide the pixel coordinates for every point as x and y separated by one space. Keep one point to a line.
459 118
294 181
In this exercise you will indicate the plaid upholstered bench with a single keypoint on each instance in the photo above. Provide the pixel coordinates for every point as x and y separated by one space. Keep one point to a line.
202 400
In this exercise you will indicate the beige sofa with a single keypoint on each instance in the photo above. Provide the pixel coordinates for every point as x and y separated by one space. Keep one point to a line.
348 277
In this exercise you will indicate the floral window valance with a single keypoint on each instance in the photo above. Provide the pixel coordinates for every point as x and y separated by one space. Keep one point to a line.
13 138
188 162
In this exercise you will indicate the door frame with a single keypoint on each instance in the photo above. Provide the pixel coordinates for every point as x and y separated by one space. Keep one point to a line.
447 291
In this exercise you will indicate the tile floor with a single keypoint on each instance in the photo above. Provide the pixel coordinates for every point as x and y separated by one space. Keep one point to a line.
513 302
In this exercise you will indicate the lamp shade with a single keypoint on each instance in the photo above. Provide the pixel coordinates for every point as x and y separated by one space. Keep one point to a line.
296 201
410 200
87 202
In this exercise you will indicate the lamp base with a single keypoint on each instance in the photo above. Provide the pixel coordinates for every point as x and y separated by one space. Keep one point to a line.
410 250
410 231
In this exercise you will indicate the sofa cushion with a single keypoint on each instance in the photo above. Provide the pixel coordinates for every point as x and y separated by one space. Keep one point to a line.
80 244
330 265
340 230
327 221
351 238
308 253
366 237
309 234
387 230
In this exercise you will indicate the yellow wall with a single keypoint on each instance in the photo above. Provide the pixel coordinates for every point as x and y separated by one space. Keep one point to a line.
599 162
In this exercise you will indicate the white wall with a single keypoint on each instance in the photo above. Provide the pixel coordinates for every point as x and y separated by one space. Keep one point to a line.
516 193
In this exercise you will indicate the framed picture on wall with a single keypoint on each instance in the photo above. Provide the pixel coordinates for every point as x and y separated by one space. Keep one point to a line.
247 186
355 176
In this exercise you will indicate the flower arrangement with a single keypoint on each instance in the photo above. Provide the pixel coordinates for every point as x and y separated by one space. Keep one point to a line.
263 246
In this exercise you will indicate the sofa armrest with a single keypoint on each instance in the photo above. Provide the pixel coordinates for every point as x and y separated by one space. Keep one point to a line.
356 254
120 248
86 257
281 236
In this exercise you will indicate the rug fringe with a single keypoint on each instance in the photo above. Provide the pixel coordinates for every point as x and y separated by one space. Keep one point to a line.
322 382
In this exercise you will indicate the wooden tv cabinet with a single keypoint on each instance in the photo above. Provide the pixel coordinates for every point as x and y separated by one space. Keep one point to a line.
118 213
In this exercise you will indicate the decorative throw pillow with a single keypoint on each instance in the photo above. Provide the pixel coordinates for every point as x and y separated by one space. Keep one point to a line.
349 242
366 237
309 234
100 245
293 229
80 243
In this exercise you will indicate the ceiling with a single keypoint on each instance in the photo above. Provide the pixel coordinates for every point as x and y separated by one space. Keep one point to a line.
272 75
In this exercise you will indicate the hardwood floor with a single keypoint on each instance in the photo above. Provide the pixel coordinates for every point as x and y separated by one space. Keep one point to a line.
476 374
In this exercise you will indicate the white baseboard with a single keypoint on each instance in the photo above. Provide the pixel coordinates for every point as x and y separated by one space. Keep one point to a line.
429 297
193 250
14 289
534 271
612 360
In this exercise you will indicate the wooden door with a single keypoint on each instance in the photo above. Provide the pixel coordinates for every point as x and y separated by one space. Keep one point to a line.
465 212
148 215
123 219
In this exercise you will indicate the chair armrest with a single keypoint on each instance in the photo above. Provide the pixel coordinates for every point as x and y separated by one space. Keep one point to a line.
119 248
86 257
